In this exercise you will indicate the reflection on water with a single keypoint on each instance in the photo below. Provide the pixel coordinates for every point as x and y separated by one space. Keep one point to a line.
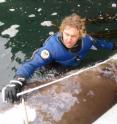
7 64
24 25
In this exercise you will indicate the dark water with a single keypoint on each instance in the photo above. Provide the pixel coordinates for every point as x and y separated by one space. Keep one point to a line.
22 30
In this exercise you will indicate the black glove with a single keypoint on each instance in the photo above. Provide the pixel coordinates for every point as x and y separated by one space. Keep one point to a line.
9 92
114 46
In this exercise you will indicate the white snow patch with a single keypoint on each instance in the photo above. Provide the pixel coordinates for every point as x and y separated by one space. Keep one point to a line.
16 115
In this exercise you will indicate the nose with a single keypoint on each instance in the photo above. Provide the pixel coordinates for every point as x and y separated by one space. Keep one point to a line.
69 37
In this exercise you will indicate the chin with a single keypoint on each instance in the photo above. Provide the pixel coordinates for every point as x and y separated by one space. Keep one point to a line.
69 47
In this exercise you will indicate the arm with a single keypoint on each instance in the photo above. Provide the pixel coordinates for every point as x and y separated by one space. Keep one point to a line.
101 43
40 58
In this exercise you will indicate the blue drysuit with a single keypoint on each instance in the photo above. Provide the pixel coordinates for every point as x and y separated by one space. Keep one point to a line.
53 50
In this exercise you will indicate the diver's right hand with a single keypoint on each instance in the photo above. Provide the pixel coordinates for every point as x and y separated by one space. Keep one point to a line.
9 92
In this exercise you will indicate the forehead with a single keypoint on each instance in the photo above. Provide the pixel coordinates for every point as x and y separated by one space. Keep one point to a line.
70 30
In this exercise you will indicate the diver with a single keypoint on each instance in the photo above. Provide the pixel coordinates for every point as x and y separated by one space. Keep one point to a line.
68 47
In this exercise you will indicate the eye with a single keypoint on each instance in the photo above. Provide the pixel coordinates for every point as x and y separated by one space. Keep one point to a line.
66 34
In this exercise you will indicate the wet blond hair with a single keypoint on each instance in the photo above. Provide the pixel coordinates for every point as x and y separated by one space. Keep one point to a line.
74 21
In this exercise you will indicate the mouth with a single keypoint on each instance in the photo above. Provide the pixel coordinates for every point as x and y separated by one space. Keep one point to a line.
68 42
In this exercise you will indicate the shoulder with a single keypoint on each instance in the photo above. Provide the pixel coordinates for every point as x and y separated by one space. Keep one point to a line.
52 38
53 41
88 39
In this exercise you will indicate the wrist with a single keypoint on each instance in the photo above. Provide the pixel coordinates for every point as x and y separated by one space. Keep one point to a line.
16 82
20 78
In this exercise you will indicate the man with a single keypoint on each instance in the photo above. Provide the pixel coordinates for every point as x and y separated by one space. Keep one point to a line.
68 47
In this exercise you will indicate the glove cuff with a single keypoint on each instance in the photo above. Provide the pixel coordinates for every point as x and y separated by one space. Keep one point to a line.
16 82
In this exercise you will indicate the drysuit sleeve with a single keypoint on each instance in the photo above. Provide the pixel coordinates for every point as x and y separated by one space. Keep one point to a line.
101 44
40 57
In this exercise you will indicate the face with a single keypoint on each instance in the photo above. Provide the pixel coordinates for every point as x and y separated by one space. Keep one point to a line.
70 36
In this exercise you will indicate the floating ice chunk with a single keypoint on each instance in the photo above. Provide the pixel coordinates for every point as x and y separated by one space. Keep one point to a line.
31 16
106 29
46 23
55 13
78 5
11 10
12 31
51 33
114 5
39 9
1 1
1 23
21 8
